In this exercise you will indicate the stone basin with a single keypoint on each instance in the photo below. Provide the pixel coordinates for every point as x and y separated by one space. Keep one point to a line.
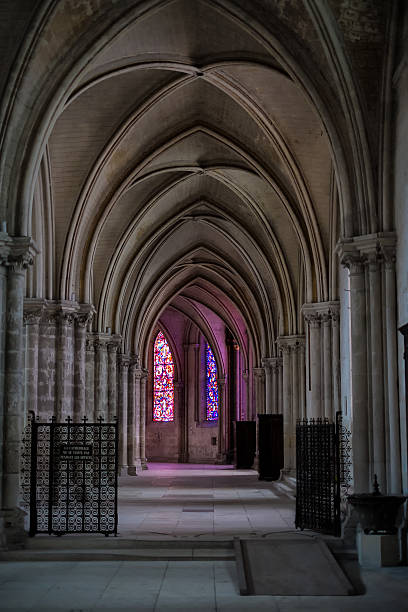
377 513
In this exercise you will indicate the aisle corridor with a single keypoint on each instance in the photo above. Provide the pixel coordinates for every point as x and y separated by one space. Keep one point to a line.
186 500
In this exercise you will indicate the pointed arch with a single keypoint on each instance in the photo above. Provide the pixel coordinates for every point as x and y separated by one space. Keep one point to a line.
163 380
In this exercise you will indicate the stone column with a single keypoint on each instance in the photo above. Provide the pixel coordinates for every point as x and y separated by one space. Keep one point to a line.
359 393
259 376
133 390
275 385
327 366
287 417
336 361
221 455
290 346
377 374
32 322
64 365
139 375
302 382
17 254
395 482
143 381
314 408
244 411
112 379
47 364
81 322
101 377
90 377
123 413
267 363
280 385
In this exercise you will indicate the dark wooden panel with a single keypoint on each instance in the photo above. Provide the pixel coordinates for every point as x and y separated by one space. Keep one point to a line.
245 444
270 446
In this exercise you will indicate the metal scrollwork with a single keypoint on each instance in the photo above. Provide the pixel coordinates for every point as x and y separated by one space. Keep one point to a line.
321 472
70 477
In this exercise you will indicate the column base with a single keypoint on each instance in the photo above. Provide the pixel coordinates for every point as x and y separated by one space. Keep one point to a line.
221 459
122 471
378 550
144 464
12 533
131 470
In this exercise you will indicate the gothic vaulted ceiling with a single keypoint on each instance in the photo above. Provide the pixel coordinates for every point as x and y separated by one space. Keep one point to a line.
194 162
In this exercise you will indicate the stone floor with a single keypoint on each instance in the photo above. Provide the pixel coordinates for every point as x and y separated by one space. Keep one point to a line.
179 500
180 503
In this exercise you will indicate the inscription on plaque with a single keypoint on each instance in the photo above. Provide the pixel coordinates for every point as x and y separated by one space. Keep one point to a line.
75 452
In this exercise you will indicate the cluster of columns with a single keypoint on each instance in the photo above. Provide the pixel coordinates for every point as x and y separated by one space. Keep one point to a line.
373 353
132 414
55 358
16 254
322 359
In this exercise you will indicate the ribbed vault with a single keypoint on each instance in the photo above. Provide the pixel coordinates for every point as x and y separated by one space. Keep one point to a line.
189 166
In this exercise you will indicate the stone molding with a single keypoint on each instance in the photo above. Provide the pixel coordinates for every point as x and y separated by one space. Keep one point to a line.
17 252
316 312
288 344
259 373
355 252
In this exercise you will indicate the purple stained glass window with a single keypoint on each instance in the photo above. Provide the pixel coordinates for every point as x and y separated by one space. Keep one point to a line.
163 389
212 386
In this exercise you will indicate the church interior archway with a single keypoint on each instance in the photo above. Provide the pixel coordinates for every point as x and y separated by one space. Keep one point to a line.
215 170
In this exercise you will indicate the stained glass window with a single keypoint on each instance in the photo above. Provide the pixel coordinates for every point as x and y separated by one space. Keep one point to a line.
163 395
212 386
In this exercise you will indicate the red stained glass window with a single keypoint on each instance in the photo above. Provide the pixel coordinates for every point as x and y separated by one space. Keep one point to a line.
212 386
163 395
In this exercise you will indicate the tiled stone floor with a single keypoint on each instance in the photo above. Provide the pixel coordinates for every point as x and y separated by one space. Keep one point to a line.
176 500
151 506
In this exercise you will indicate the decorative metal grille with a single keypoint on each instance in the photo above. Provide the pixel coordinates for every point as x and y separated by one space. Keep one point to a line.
322 473
69 477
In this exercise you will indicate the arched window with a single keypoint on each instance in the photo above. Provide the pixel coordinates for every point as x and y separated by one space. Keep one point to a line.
211 385
163 385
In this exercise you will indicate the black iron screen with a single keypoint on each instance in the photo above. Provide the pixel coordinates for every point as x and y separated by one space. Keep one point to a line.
322 470
70 477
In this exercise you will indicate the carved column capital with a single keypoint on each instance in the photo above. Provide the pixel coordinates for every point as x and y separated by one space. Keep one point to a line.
124 361
259 373
17 252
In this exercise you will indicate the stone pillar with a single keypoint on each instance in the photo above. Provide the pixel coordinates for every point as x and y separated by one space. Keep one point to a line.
123 413
16 254
64 364
90 377
290 346
336 361
113 378
133 390
314 405
32 318
327 367
101 377
267 363
143 381
287 417
139 374
221 454
395 479
280 385
377 374
302 382
275 385
359 389
259 376
80 406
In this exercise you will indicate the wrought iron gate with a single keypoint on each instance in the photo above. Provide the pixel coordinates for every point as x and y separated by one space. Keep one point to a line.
70 477
322 473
